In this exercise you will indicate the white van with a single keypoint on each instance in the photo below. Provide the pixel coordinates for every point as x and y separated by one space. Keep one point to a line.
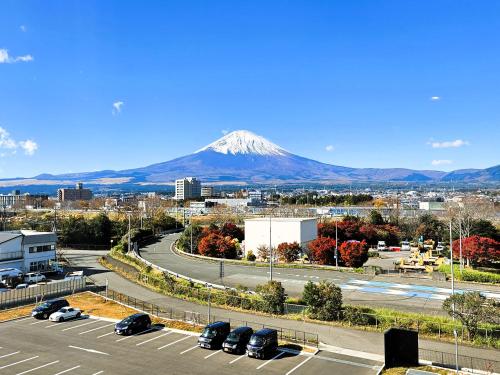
33 278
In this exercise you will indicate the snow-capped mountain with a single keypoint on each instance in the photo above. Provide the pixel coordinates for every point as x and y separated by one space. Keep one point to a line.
244 142
244 157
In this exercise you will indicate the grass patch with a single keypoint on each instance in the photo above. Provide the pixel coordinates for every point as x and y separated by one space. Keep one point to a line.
402 370
17 312
469 274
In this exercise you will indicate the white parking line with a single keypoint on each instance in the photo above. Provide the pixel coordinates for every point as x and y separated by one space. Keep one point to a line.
8 355
87 350
174 342
374 367
38 322
210 355
136 334
272 359
237 359
68 370
188 350
80 325
95 329
37 368
154 338
300 364
106 334
15 363
98 372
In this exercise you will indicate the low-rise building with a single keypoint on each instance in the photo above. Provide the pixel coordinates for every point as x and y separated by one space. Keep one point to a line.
18 200
27 250
207 191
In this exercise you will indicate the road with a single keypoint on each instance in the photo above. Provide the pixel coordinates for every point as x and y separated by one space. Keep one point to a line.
403 293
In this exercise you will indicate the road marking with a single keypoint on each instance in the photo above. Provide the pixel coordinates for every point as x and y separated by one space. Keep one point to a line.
15 363
237 359
87 350
174 342
187 350
347 362
106 334
37 368
300 364
95 329
8 355
136 334
40 321
98 372
68 370
272 359
214 353
80 325
154 338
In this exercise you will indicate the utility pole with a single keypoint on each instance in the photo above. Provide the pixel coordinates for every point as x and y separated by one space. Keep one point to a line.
460 244
129 232
191 229
270 250
453 304
209 293
336 246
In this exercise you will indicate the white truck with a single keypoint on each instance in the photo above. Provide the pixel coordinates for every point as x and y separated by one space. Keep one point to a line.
33 278
9 273
381 246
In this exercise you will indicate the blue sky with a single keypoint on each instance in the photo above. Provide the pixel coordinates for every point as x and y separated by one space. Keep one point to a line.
344 82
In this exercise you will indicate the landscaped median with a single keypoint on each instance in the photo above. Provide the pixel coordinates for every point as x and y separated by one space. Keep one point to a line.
364 318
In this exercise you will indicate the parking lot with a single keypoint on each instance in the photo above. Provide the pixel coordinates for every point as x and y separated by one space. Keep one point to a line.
89 346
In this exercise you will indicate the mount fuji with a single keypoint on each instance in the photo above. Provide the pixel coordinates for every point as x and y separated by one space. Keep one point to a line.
244 157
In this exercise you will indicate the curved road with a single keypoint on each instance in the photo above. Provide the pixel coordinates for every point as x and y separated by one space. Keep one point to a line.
404 293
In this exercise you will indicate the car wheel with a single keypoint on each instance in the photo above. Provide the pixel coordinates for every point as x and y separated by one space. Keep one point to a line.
61 319
78 315
129 332
148 326
45 316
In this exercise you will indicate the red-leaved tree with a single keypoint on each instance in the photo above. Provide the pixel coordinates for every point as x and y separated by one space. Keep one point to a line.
353 253
233 231
323 250
288 252
217 246
480 251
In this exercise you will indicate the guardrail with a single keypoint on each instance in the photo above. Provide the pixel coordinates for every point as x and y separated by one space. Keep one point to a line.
465 363
199 319
18 297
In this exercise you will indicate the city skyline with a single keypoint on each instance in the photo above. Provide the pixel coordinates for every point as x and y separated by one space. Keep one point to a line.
99 86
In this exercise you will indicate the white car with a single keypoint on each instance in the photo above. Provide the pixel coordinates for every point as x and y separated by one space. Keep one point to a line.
65 313
381 246
33 278
405 246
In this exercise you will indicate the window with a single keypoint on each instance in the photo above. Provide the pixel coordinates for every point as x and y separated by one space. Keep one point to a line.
41 248
42 265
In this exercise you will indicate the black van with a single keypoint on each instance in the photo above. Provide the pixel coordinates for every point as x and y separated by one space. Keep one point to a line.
214 335
237 340
133 324
262 343
44 309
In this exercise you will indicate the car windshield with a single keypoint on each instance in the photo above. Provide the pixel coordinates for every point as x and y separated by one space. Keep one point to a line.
233 336
256 340
209 333
127 320
44 305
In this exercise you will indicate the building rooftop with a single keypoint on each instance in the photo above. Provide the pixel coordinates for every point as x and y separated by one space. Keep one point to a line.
7 236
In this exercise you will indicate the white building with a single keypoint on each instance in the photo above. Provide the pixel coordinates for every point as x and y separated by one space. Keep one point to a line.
207 191
187 188
258 233
27 250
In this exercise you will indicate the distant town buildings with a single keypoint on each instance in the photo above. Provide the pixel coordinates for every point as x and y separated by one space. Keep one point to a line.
18 200
187 188
74 194
207 191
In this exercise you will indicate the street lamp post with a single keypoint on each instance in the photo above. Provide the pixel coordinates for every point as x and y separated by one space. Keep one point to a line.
336 247
270 250
191 229
453 304
129 232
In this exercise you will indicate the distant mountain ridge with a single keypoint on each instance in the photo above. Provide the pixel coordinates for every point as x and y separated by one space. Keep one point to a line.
244 157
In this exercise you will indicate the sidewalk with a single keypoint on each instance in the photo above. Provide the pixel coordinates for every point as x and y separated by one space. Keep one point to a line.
351 339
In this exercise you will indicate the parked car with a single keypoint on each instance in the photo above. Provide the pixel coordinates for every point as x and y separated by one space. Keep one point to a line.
405 246
33 278
77 275
381 246
214 335
263 343
6 273
45 309
22 286
65 313
237 340
440 247
133 324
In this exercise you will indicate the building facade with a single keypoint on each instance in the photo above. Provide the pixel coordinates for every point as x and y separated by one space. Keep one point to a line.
207 191
16 199
27 250
262 231
187 188
74 194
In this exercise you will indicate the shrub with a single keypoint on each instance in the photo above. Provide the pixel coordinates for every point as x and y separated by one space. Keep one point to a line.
251 256
288 252
324 300
233 231
263 252
353 253
215 245
273 296
356 316
323 250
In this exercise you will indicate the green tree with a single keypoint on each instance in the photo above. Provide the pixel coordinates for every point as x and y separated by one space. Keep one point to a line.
273 295
484 228
430 228
375 218
184 242
324 300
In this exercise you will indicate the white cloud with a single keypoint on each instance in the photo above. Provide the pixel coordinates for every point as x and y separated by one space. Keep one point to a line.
29 146
441 162
329 148
117 107
5 58
435 98
449 144
8 143
23 28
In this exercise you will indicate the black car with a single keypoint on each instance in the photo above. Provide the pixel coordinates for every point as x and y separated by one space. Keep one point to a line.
214 335
263 343
44 309
237 340
133 324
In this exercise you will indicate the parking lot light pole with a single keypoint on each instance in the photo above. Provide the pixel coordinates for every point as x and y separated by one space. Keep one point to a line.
129 232
453 304
336 247
270 250
209 293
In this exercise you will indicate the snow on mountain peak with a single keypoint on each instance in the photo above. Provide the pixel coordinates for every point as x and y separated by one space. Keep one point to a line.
244 142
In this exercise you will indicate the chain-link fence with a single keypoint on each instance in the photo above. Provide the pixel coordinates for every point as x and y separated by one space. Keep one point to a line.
465 362
196 318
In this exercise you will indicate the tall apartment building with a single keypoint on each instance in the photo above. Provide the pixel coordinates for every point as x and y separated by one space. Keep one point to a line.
76 194
207 192
187 188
